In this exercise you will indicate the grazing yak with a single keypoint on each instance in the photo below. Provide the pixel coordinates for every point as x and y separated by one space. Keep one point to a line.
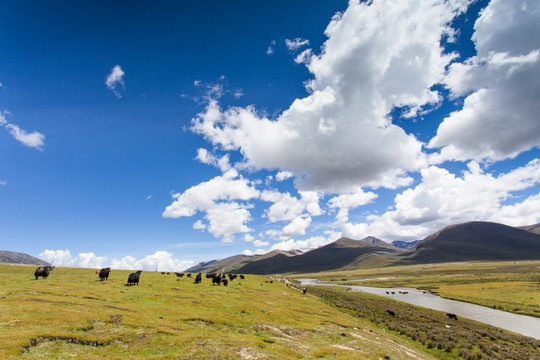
198 278
134 278
188 275
242 277
218 279
225 282
211 275
391 313
451 316
104 274
43 271
179 274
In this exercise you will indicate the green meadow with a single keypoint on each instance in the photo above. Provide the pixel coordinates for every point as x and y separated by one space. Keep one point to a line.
72 315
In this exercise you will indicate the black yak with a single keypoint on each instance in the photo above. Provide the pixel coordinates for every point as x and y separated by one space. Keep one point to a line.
188 275
217 279
225 282
198 278
209 276
451 316
179 274
134 278
242 277
391 313
43 271
104 273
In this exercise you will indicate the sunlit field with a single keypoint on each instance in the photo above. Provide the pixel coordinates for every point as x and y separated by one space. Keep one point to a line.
72 315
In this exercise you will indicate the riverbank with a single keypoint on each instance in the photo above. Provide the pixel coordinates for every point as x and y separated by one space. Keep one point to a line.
466 338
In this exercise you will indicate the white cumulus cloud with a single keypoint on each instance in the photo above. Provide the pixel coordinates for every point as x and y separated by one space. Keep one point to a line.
160 261
218 199
378 55
443 198
499 118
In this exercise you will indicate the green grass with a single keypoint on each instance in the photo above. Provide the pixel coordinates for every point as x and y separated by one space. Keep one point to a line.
509 286
72 315
448 339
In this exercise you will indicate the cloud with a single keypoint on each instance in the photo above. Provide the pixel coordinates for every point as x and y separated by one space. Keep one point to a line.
308 244
499 118
208 158
64 258
348 201
160 260
259 243
250 253
115 78
339 136
271 47
294 45
286 207
443 198
3 182
34 139
284 175
297 227
216 198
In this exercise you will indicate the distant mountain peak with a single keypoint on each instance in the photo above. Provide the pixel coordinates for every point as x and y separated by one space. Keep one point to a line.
374 240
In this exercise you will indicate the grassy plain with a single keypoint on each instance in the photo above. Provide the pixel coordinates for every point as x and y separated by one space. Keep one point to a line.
512 286
72 315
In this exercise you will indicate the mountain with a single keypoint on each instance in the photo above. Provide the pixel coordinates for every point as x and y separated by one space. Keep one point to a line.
478 241
233 263
342 254
404 244
532 228
10 257
472 241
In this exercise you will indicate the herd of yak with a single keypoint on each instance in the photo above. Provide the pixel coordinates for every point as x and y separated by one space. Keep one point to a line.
133 279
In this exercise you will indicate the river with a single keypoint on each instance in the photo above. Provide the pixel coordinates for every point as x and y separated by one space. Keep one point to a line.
521 324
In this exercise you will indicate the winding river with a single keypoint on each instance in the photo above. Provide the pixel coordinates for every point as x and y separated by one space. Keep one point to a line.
521 324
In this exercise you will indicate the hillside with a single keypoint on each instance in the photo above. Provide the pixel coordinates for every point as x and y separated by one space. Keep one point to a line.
10 257
532 228
472 241
236 262
340 254
476 241
404 244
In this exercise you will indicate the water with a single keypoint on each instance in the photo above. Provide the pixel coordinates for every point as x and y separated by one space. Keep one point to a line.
521 324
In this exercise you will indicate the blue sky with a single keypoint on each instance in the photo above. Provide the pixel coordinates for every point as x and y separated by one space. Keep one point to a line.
157 135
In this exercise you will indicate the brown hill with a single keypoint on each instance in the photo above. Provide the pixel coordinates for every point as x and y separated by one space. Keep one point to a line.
232 264
476 240
10 257
532 228
341 254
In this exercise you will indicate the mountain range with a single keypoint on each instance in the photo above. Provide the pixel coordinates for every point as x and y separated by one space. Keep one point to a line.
471 241
11 257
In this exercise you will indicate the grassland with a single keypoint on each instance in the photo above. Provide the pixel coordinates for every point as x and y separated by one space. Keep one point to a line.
72 315
512 286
